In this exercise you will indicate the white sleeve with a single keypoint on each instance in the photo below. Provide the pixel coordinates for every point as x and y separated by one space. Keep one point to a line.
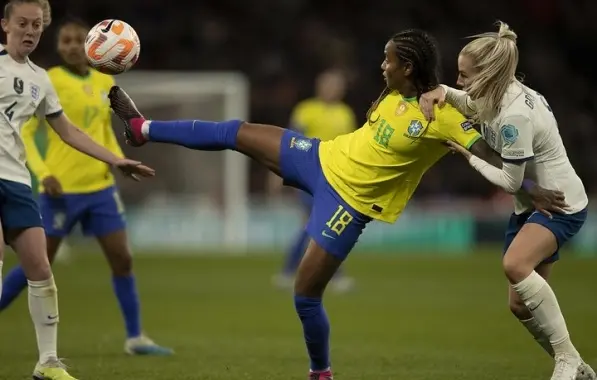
50 105
516 134
509 177
460 100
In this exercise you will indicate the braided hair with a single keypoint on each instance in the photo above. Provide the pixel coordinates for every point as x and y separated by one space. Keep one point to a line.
418 48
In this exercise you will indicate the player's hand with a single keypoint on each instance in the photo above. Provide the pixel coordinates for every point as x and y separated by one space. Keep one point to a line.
134 169
429 99
457 148
52 186
547 201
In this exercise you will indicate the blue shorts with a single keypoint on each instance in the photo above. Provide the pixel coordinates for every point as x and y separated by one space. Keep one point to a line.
563 226
333 224
100 213
18 209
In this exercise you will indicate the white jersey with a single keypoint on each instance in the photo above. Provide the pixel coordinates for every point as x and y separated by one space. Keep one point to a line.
526 130
25 89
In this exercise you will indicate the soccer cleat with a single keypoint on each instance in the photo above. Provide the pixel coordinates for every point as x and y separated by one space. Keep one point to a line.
321 375
144 346
124 107
585 372
567 367
51 370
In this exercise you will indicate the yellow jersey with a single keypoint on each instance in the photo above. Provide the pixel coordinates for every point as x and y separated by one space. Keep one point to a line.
377 168
325 121
85 102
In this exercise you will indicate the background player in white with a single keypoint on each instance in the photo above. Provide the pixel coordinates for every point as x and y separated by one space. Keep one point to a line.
517 123
26 89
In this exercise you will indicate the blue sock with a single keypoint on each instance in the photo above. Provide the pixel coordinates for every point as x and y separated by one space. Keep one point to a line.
196 134
14 283
316 329
294 256
126 292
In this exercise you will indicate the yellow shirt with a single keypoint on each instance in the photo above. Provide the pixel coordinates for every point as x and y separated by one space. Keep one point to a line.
377 168
325 121
84 100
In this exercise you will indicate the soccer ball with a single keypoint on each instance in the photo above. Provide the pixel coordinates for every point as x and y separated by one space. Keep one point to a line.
112 47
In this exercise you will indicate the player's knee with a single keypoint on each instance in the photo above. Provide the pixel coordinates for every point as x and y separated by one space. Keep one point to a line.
39 270
308 287
515 269
122 265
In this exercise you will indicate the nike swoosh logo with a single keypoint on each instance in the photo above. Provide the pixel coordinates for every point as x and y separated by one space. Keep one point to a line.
536 306
107 28
52 317
323 233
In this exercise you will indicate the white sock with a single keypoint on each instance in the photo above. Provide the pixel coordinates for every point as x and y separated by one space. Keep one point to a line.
541 301
43 306
537 332
145 129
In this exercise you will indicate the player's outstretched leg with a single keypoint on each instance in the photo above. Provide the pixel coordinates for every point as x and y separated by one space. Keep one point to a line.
258 141
533 244
116 249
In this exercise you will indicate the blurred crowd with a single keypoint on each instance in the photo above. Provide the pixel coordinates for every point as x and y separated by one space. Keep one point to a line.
281 45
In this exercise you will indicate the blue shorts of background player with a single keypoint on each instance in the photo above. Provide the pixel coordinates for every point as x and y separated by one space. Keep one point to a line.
99 213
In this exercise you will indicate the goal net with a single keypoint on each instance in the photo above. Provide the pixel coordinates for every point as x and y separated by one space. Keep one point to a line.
197 198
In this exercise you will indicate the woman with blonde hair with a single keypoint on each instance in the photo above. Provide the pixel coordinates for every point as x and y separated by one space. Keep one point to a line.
25 90
517 122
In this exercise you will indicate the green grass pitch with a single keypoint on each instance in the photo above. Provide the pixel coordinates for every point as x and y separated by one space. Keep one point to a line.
419 318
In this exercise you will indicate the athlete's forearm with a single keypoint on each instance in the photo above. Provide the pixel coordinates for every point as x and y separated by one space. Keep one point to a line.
459 100
84 144
509 177
79 140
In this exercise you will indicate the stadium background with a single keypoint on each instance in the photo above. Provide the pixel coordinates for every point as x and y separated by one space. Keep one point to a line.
430 298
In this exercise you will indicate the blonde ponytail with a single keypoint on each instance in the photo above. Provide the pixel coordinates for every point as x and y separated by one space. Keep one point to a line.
495 57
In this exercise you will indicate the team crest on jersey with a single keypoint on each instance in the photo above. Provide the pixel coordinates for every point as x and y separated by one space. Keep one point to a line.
415 129
34 91
466 125
401 109
301 144
509 134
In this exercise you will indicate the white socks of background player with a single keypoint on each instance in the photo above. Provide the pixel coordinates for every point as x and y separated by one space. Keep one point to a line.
541 301
43 306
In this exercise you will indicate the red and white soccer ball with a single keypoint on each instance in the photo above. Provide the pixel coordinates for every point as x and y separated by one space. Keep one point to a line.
112 47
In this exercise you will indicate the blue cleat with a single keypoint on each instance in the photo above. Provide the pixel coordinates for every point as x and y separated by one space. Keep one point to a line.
142 345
